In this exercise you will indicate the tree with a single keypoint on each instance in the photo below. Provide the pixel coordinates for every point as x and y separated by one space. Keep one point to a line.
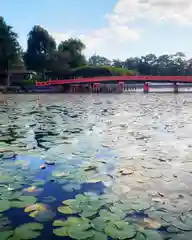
97 60
72 50
40 47
9 49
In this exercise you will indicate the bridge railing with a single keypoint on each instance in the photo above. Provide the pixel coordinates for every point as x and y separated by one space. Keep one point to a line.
118 79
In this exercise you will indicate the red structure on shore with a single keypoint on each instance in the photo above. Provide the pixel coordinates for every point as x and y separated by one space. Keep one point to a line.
116 79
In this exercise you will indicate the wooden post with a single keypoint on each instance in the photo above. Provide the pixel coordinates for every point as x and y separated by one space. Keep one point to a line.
120 87
175 87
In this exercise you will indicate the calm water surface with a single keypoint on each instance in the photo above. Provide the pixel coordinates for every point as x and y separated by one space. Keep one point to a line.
126 159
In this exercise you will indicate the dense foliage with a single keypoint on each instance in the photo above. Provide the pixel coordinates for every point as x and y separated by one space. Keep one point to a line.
48 60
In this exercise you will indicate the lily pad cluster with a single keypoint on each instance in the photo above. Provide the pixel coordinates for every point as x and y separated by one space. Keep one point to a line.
85 206
94 218
40 212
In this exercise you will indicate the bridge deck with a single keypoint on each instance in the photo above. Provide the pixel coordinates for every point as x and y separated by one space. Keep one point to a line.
181 79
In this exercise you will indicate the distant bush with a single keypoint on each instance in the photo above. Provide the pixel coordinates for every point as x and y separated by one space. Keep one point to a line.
88 71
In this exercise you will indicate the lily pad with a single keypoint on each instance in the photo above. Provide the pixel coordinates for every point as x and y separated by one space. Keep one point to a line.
81 231
4 205
68 226
152 235
5 234
151 223
66 210
140 206
108 216
28 231
35 209
99 224
120 230
23 201
44 216
99 236
71 187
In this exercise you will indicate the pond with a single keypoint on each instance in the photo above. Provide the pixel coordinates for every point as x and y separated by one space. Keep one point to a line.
94 167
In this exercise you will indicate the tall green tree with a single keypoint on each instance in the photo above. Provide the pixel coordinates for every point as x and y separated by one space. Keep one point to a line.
9 49
72 49
40 47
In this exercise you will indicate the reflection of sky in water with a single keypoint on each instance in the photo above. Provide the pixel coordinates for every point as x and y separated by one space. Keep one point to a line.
34 164
150 133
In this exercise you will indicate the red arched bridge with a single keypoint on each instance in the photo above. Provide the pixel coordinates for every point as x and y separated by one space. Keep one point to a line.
113 83
115 79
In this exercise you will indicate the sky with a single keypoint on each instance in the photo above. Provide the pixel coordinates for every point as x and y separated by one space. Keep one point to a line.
116 29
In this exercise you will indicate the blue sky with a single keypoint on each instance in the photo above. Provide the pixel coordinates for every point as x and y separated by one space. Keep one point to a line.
112 28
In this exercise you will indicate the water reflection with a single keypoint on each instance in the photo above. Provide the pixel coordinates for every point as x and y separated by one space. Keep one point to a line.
132 153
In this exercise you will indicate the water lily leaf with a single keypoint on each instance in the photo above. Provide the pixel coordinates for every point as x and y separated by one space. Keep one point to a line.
152 235
108 216
36 209
140 206
121 209
88 213
71 187
81 198
61 232
4 205
44 216
99 236
120 230
81 232
140 236
4 221
151 223
28 231
183 225
99 224
23 201
5 234
70 223
60 174
66 210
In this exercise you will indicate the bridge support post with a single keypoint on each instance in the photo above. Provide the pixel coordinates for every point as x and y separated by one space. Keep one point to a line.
120 87
146 87
96 87
175 87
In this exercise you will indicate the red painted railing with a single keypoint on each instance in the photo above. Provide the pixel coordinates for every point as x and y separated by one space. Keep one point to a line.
117 79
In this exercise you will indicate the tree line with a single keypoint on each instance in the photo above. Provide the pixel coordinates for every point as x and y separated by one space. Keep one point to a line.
47 59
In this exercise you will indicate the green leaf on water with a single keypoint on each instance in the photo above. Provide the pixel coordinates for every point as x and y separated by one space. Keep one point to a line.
140 206
4 235
4 205
88 213
80 232
108 216
69 225
152 235
120 230
61 232
66 210
28 231
23 201
99 224
99 236
71 187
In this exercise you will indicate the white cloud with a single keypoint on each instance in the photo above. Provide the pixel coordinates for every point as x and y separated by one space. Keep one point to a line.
126 11
111 40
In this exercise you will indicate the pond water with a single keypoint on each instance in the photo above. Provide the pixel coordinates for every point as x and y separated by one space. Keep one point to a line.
94 167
